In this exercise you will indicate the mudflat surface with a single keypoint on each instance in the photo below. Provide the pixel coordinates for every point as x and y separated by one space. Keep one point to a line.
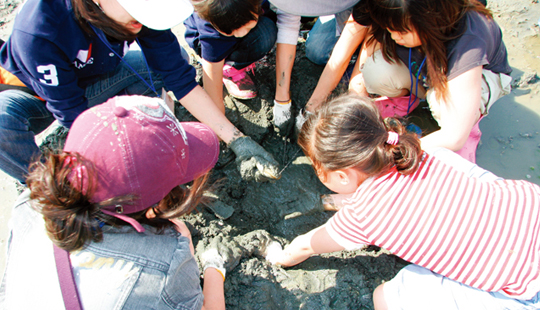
510 147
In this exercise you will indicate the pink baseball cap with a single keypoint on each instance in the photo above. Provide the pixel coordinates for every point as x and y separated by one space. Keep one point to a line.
138 147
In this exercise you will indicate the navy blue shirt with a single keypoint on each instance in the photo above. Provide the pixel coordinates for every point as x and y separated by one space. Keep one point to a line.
480 44
50 53
214 47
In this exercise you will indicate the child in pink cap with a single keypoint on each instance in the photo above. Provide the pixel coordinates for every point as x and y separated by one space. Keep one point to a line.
112 199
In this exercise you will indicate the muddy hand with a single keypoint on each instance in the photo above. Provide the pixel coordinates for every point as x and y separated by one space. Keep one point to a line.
253 161
256 242
222 254
274 253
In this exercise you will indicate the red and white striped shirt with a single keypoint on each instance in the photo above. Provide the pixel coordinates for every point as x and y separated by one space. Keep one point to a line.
482 234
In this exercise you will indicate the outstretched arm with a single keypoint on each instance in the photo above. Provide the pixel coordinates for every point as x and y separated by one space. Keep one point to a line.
203 108
214 296
253 161
287 37
459 113
351 37
317 241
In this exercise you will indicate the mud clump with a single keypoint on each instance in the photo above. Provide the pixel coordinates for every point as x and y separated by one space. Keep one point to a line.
283 209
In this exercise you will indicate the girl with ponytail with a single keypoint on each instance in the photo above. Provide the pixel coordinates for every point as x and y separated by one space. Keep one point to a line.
432 208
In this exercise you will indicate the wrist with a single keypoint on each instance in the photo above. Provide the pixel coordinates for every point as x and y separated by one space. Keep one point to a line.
305 112
282 101
234 138
282 94
217 269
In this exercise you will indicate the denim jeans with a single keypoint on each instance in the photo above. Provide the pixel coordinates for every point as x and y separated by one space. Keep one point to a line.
23 116
255 45
321 40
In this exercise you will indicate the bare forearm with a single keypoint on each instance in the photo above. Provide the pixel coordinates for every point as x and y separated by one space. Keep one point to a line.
212 81
352 36
298 251
457 113
201 106
328 81
317 241
446 139
214 297
285 54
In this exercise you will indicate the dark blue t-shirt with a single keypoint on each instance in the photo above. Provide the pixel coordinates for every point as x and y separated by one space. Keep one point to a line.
50 53
481 44
211 45
214 47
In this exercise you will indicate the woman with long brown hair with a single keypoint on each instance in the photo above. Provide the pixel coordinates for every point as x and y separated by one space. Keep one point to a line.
451 52
452 48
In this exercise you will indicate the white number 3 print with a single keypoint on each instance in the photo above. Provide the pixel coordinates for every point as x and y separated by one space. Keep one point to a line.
50 76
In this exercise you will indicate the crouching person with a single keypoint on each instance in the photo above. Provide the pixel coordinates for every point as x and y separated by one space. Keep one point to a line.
97 227
471 237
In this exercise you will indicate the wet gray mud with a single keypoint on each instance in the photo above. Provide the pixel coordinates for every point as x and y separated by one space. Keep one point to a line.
285 209
282 209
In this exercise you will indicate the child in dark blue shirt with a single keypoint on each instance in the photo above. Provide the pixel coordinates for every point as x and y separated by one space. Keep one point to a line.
76 54
230 36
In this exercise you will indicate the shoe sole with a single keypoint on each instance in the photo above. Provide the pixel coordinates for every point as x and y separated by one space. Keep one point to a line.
245 96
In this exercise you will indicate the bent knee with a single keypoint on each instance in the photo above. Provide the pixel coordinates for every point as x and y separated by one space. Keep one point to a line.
388 79
385 79
317 54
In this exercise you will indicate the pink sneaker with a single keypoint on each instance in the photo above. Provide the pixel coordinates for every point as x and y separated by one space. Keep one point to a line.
238 83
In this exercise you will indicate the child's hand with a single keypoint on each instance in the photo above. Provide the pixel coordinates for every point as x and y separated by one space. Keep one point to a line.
274 253
181 227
